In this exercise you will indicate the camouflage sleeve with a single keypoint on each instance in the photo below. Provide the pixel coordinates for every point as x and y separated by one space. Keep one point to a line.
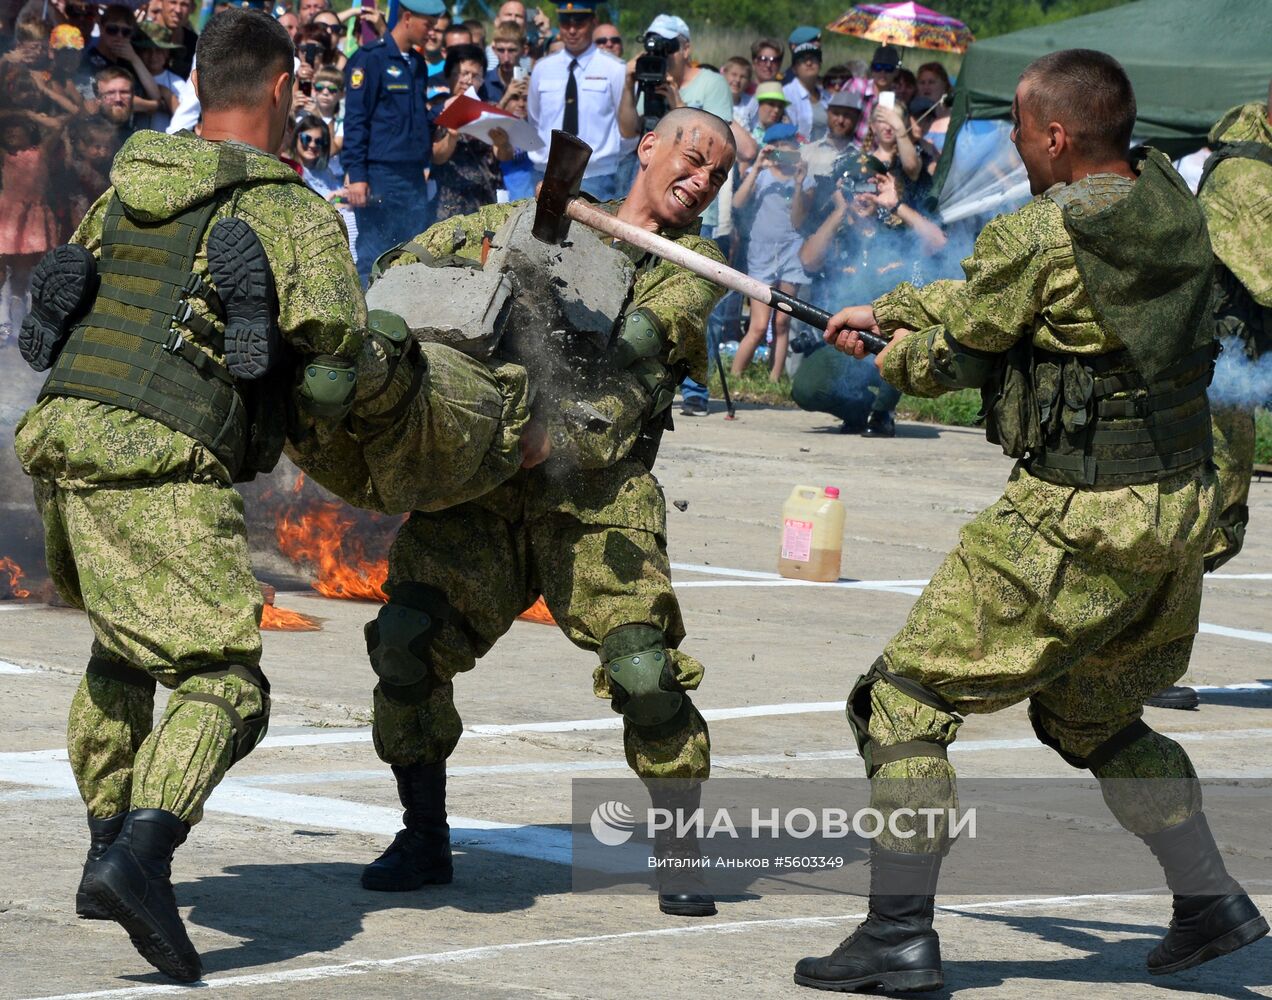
321 310
459 235
681 301
599 420
452 435
986 314
1237 201
88 233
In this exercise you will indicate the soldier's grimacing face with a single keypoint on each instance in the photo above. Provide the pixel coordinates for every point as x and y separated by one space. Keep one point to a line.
684 173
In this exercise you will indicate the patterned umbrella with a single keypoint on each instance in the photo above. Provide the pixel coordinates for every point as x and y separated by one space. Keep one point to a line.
907 24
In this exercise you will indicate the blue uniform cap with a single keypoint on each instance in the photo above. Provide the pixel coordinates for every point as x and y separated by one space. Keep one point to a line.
577 7
428 8
780 133
249 4
804 33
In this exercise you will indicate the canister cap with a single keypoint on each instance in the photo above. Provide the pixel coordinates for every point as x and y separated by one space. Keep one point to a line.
832 492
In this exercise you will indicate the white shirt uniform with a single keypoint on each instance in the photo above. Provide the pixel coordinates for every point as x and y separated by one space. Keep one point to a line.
600 81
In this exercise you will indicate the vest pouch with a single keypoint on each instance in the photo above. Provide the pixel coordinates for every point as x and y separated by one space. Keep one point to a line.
1010 403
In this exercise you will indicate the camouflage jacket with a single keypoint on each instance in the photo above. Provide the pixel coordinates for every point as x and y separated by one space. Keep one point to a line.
1237 199
320 305
681 301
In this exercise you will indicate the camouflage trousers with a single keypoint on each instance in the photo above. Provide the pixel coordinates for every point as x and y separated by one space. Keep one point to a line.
1234 457
1083 603
490 566
162 570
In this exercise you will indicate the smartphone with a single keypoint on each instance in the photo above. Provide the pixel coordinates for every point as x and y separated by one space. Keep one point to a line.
519 73
887 99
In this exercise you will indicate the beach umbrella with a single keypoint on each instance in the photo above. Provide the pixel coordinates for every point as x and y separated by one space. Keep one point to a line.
909 24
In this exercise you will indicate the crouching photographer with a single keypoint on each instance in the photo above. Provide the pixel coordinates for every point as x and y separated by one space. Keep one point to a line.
868 241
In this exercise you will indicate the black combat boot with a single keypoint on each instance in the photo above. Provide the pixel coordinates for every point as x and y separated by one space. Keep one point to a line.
1212 913
881 424
420 854
1176 696
132 883
682 891
62 287
101 834
244 282
895 948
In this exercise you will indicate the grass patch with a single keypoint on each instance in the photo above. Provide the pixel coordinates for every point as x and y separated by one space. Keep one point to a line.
1263 436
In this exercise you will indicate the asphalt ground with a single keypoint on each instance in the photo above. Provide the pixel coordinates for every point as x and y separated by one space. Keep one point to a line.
268 882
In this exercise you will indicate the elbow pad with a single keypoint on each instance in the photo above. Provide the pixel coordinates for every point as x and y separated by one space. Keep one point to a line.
327 385
956 366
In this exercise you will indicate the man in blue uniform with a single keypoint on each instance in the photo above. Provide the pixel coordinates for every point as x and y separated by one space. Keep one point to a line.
388 140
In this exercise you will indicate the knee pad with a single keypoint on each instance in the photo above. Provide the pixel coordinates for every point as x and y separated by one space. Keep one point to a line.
248 732
858 711
400 637
1098 757
641 676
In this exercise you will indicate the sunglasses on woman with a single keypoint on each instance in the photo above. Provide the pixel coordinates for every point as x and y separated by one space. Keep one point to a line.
769 59
309 140
327 88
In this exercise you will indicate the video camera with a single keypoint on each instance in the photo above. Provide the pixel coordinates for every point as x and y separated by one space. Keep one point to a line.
651 73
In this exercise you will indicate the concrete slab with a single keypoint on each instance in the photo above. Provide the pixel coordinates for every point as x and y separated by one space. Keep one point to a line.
269 881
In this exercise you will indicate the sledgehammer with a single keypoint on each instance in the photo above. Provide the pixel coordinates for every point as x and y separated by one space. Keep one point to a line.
559 203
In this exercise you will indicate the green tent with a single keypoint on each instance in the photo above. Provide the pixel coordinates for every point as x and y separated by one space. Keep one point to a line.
1189 61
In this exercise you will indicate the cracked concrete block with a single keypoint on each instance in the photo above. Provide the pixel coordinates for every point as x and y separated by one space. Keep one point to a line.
461 307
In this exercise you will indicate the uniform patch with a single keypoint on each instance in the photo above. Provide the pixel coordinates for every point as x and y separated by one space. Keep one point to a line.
356 78
394 70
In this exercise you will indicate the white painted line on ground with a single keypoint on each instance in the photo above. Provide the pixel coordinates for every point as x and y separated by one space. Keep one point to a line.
1238 576
1234 633
360 967
12 668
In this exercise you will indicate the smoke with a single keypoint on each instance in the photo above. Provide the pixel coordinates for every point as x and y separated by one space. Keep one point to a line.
1239 381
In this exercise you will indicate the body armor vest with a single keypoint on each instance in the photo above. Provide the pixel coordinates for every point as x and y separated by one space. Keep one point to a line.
132 351
1138 414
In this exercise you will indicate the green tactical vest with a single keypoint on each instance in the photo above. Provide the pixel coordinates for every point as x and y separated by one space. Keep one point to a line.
1237 313
132 350
1139 414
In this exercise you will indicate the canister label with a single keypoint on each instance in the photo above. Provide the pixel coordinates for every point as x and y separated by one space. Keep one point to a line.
797 539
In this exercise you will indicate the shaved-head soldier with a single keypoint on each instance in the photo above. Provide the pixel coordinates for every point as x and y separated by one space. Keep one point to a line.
585 530
1085 321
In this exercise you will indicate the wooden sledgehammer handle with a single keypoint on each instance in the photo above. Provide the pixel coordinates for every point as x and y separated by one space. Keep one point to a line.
715 272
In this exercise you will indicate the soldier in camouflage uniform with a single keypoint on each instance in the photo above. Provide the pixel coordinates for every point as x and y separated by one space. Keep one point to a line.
1235 192
206 293
586 530
1079 590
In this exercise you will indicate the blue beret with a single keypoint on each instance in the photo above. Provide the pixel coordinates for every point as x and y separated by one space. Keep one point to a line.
428 8
804 33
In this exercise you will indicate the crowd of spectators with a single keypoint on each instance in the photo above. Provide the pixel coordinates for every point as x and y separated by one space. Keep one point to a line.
827 200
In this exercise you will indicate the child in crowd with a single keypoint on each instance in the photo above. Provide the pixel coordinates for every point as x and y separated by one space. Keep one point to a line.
518 172
771 103
154 44
28 225
329 104
773 250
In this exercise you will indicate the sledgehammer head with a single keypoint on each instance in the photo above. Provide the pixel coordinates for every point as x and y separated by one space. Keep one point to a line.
567 159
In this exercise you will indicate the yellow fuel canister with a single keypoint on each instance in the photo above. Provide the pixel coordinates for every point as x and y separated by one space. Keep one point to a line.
812 534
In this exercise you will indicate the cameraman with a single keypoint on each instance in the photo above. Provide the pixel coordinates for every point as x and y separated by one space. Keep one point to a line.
868 241
586 93
843 115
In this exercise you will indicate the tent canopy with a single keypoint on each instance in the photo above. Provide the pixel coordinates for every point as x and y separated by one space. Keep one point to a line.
1189 62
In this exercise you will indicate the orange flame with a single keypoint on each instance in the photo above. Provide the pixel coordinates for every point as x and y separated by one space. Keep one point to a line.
285 620
323 536
10 569
320 537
